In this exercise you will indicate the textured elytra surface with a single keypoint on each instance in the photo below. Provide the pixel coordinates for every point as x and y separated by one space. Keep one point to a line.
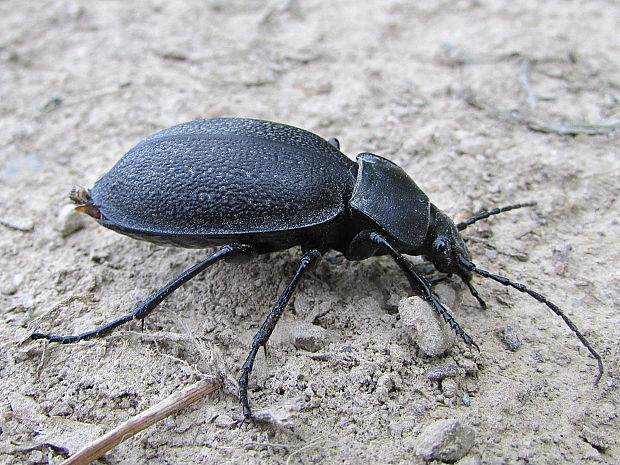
225 176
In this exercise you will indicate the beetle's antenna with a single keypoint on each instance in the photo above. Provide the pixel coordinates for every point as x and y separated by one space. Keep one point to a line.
495 211
469 266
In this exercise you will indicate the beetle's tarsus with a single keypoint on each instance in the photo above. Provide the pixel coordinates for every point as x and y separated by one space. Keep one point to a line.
97 332
244 420
244 379
475 346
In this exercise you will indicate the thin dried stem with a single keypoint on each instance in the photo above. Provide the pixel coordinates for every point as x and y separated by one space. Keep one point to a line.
170 405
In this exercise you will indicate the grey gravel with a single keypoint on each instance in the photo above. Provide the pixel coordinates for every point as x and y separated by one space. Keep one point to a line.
308 337
431 334
510 338
445 440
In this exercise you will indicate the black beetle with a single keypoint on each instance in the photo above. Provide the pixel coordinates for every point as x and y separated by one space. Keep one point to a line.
253 187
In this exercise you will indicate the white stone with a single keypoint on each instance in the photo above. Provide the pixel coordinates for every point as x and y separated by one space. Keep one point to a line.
431 334
69 221
445 440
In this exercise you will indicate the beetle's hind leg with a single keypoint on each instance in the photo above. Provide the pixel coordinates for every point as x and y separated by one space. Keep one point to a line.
307 262
147 306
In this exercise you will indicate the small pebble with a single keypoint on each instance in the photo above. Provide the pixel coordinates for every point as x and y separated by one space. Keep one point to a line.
537 356
10 287
431 334
308 337
510 338
385 384
445 440
468 365
279 415
69 221
224 421
36 456
449 388
442 372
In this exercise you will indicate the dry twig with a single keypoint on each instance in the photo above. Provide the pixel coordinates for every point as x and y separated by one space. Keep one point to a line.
562 127
170 405
452 56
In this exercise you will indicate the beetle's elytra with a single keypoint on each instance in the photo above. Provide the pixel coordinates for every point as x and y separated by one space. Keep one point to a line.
252 187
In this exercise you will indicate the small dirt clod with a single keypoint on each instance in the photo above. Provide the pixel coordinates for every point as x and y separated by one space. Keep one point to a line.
308 337
442 372
431 334
445 440
510 338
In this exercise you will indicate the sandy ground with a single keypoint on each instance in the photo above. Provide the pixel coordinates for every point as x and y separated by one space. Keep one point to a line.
483 103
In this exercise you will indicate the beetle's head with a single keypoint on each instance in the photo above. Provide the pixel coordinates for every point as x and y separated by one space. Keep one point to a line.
444 244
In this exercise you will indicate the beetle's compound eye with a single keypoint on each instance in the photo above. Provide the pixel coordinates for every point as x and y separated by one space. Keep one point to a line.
441 246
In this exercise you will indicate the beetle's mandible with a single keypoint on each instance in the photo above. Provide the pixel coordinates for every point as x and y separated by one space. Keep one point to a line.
250 187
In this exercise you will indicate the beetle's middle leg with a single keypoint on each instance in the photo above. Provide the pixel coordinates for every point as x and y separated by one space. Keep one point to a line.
145 307
307 262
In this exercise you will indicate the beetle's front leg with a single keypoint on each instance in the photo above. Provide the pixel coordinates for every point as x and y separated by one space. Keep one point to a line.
307 262
418 282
